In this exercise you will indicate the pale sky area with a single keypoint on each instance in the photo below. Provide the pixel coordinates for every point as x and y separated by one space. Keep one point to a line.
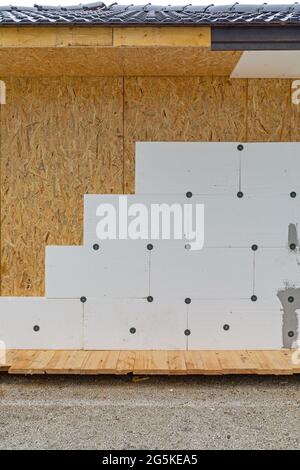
135 2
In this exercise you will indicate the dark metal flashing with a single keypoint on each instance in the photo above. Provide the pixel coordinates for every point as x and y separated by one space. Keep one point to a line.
255 38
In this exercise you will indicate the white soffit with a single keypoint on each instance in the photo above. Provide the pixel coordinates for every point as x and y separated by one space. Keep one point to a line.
268 64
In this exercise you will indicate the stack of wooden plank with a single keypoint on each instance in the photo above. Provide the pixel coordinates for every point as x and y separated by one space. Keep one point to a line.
276 362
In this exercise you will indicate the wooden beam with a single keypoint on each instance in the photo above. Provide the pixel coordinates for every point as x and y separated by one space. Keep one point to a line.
172 36
36 36
73 36
115 61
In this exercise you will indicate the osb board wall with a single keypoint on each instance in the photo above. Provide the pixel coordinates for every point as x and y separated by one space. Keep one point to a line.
116 61
62 138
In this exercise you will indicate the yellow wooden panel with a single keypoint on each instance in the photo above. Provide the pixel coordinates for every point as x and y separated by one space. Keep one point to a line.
293 358
42 36
115 61
125 363
56 363
271 362
84 36
196 36
211 363
176 362
28 37
22 360
32 36
100 362
151 362
236 362
36 365
60 139
7 358
194 363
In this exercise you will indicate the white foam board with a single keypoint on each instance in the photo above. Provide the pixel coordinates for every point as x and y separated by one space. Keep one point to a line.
179 167
275 269
221 273
59 323
158 325
121 270
210 168
241 222
251 325
271 168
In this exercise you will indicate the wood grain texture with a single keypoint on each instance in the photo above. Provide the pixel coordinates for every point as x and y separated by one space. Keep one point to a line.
233 362
61 36
272 362
7 358
100 362
269 110
295 115
151 362
60 139
181 109
275 362
65 36
196 36
125 364
115 61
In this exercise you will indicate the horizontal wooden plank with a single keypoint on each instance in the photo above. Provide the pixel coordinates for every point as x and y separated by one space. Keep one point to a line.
271 362
55 36
20 363
151 362
126 361
172 36
176 362
293 358
115 61
100 362
236 362
66 36
276 362
36 365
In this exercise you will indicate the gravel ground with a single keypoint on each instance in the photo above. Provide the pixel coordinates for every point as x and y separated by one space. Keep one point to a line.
57 412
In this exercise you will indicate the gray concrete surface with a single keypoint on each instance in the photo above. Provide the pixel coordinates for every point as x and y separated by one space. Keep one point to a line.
156 413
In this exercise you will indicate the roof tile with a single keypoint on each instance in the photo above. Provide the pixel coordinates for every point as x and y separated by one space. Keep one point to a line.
99 13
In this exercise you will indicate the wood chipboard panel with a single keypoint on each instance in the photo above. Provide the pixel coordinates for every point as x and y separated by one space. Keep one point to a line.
60 138
115 61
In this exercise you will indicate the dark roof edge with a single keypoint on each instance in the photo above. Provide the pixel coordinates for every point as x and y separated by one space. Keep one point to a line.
255 37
